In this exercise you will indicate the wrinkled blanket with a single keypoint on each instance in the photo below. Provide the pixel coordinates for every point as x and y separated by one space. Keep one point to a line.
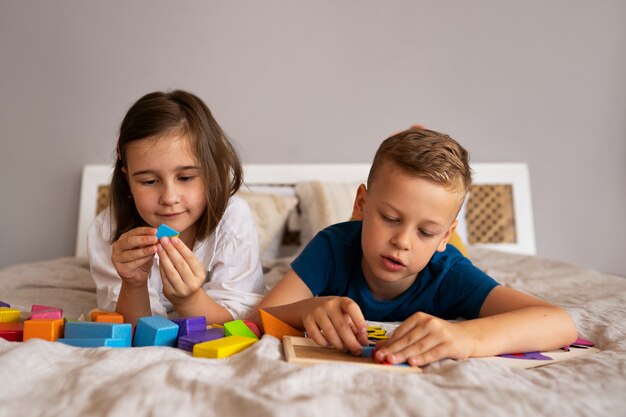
49 379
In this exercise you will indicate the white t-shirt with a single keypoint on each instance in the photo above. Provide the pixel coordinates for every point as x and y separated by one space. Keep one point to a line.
230 256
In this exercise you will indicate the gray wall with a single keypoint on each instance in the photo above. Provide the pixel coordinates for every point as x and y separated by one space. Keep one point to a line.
324 81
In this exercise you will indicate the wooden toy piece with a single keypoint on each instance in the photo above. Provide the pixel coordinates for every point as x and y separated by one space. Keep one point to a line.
304 351
93 330
166 231
9 315
45 312
277 328
155 331
188 341
376 333
94 342
252 326
13 332
216 326
106 317
222 348
190 325
46 329
3 304
238 328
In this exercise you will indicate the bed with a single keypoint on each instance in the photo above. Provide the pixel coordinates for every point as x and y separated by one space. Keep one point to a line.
291 203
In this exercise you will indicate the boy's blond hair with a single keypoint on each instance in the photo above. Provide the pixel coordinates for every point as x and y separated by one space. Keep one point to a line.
426 154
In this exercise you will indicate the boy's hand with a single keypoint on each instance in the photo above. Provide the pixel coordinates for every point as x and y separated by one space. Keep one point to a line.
336 321
181 272
423 339
132 255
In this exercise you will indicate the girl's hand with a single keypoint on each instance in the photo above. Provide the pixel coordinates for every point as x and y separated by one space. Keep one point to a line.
181 272
132 255
336 321
423 339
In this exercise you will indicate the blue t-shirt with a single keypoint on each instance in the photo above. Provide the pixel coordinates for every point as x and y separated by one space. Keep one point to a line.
448 287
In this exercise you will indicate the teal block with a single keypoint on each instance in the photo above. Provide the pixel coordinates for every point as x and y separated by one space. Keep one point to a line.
155 331
92 330
166 231
94 342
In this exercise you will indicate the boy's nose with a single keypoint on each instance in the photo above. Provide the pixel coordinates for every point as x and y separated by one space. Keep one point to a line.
402 239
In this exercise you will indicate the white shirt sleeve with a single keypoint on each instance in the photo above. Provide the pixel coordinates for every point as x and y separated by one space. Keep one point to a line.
108 282
235 277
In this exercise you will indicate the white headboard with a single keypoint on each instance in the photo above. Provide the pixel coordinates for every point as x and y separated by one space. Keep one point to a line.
272 175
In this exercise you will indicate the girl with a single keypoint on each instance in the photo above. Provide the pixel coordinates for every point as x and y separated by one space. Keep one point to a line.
175 166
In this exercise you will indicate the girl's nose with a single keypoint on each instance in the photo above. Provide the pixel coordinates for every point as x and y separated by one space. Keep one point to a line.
169 195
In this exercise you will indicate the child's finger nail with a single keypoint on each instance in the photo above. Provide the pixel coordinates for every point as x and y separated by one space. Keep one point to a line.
175 240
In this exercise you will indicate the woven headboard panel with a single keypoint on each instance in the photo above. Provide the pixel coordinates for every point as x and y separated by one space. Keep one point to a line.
498 212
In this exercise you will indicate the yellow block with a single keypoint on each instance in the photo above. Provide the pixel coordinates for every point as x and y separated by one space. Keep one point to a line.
222 348
9 315
46 329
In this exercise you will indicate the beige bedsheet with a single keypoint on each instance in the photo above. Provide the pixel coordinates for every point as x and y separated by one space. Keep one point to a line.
49 379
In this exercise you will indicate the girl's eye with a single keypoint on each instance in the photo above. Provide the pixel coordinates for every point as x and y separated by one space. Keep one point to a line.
186 178
148 182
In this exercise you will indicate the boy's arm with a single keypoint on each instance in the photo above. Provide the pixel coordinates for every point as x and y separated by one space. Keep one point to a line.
509 322
335 321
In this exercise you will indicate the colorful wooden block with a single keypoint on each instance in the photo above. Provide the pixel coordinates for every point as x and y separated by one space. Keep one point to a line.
222 348
238 328
189 325
166 231
106 317
46 329
155 331
93 330
9 315
3 304
188 341
45 312
252 326
94 342
13 332
277 328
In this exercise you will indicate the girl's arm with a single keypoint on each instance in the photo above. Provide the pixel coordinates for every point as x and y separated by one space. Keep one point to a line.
509 322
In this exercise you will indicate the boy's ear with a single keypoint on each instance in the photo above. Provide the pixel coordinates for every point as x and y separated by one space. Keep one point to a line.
359 201
446 237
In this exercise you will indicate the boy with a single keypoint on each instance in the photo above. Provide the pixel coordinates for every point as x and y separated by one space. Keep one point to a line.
395 265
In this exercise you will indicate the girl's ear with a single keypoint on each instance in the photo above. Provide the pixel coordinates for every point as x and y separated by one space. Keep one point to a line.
446 237
359 202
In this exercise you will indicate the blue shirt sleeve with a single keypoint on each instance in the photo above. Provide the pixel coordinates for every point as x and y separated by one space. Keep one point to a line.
463 290
315 264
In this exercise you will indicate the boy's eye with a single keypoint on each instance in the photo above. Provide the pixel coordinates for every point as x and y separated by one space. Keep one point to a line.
389 219
426 233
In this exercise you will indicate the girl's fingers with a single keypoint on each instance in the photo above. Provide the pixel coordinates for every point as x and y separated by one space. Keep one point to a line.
187 254
177 260
169 272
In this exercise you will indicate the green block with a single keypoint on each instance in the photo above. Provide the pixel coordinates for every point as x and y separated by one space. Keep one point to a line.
238 328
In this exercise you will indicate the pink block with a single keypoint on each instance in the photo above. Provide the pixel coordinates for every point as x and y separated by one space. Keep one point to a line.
38 311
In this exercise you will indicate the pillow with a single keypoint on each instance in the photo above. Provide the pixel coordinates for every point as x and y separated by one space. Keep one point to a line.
270 213
323 204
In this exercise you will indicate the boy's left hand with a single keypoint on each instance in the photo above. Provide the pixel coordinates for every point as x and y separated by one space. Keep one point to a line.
181 272
423 339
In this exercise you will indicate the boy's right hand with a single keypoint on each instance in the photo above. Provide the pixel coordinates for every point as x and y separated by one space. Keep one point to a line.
336 321
133 254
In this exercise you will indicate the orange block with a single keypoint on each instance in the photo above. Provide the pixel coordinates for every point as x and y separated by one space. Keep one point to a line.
277 328
46 329
107 317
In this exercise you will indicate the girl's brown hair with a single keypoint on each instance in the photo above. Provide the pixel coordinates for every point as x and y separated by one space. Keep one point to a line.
182 113
426 154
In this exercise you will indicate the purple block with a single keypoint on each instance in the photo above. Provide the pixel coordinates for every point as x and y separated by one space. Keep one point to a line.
189 325
187 342
538 356
3 304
